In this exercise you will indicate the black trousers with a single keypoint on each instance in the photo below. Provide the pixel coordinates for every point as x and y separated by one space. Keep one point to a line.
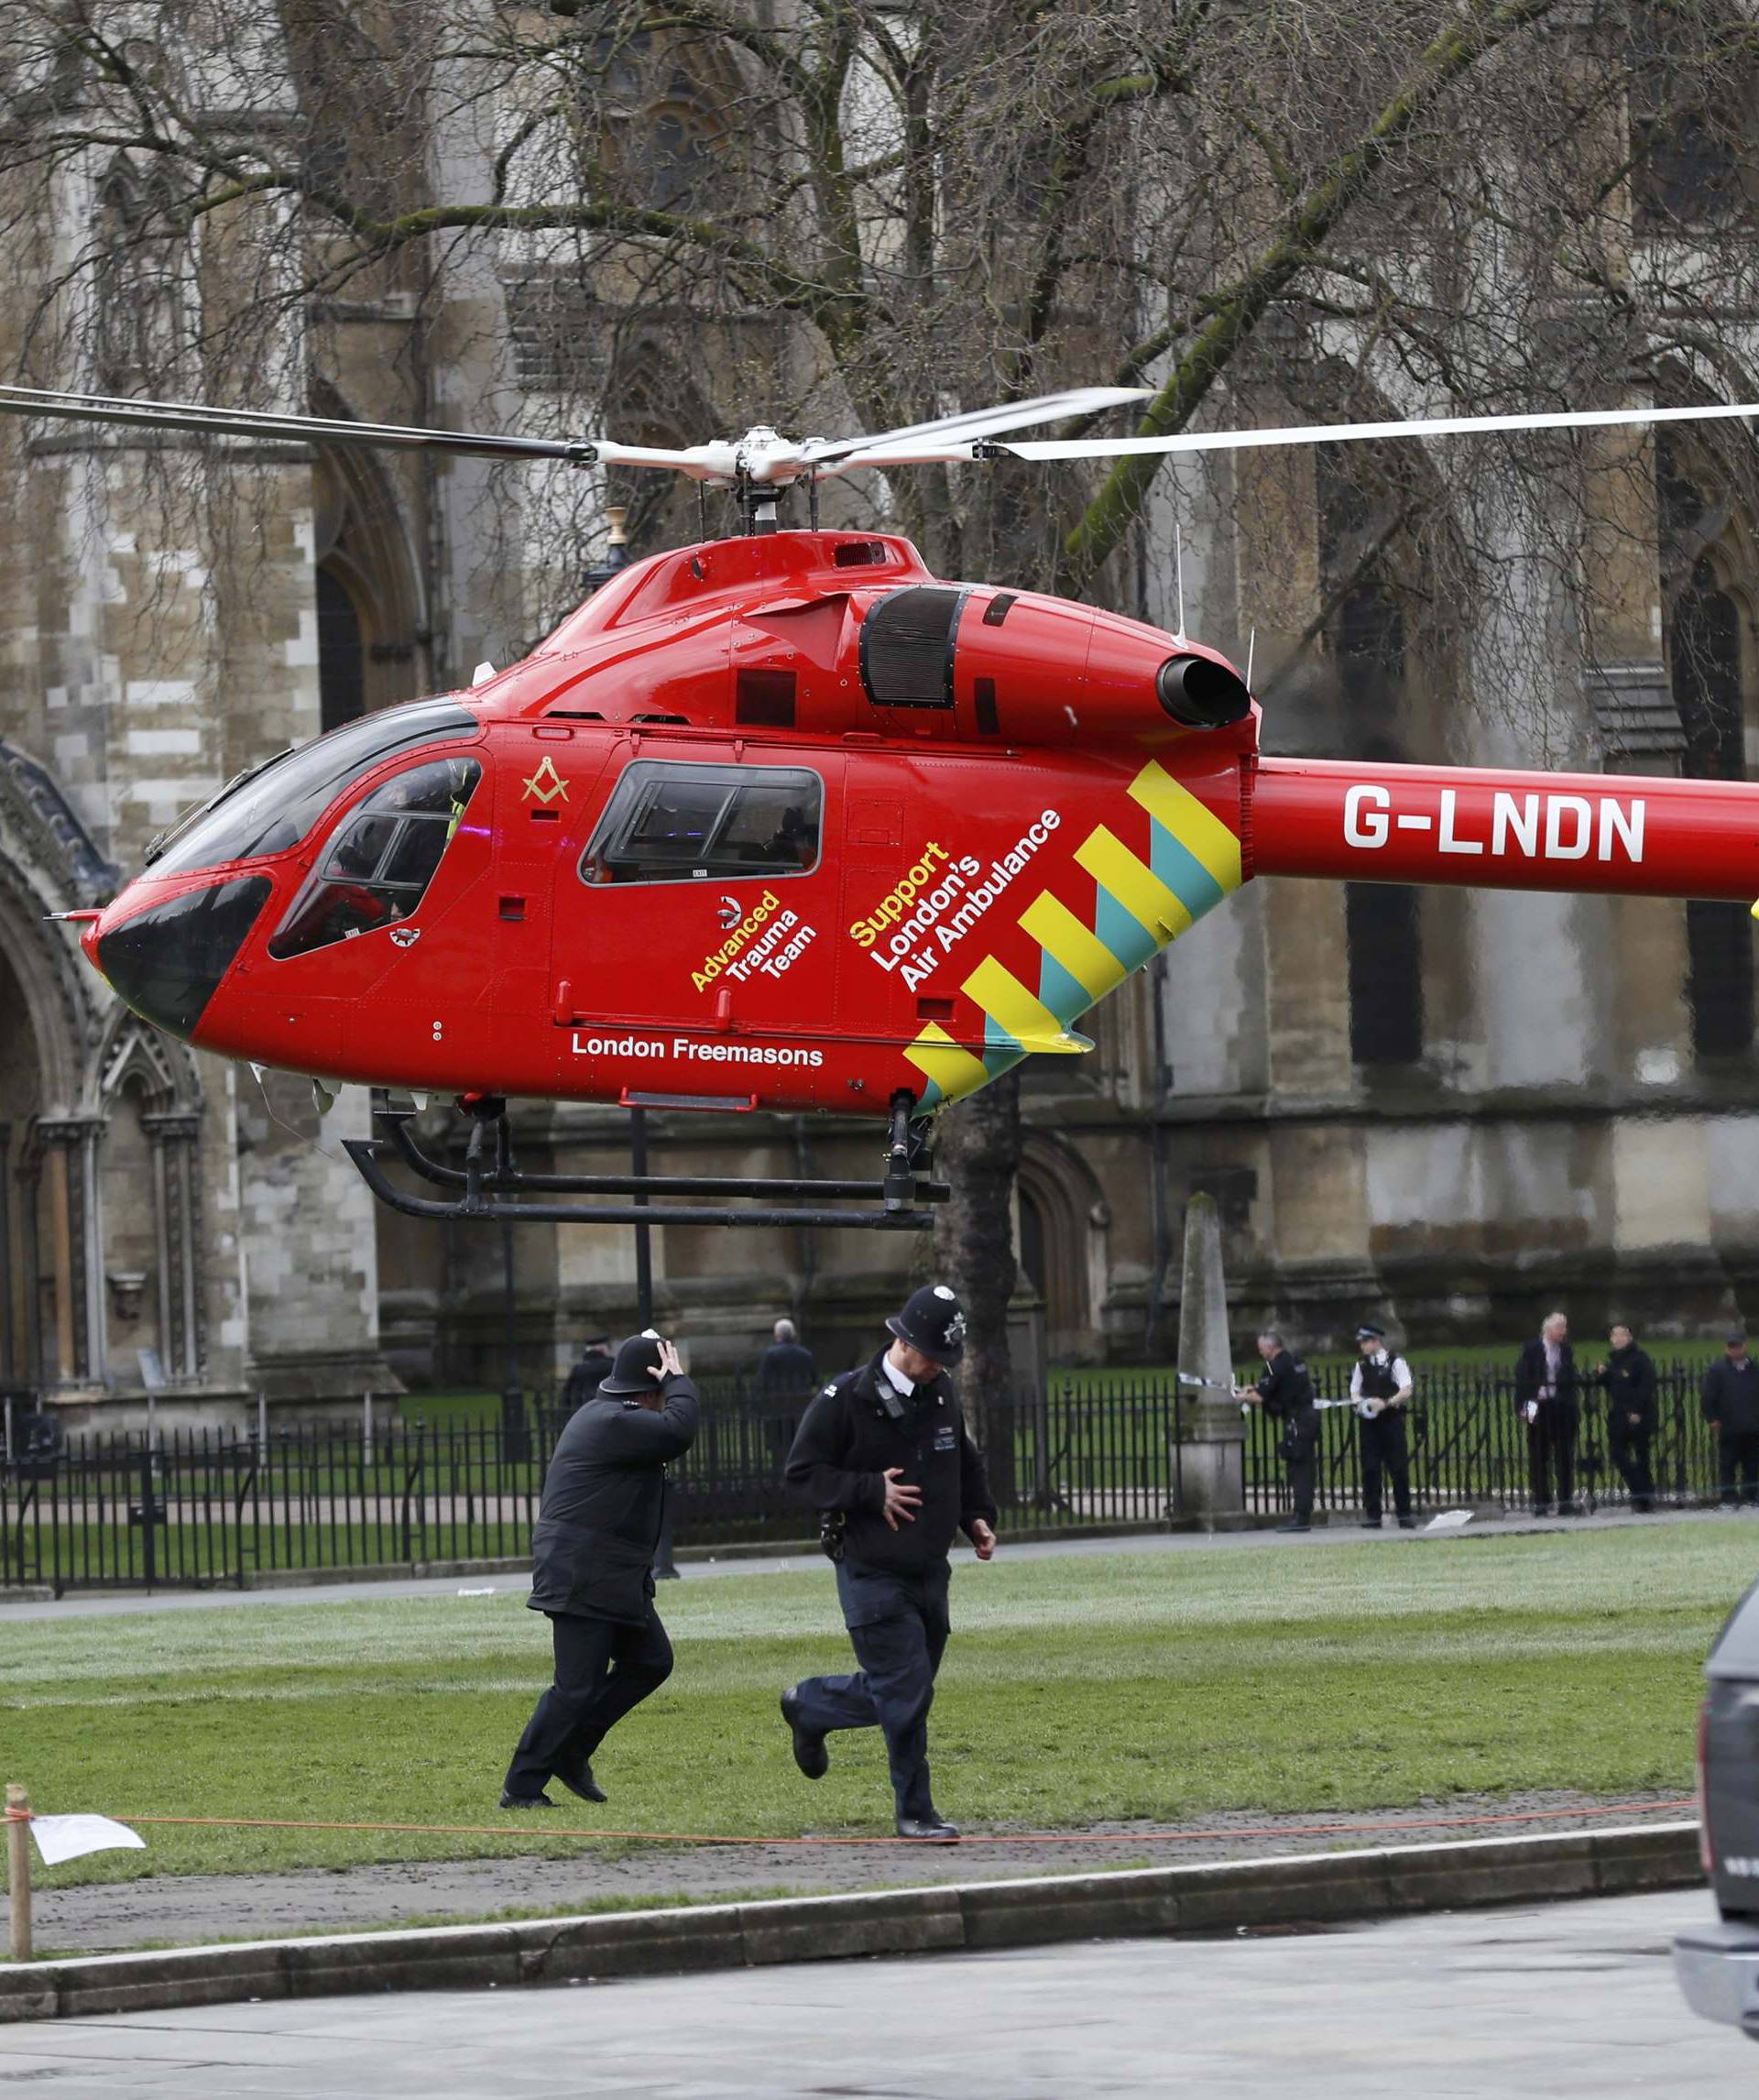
1301 1456
1629 1445
1384 1450
1551 1448
1738 1451
605 1668
898 1627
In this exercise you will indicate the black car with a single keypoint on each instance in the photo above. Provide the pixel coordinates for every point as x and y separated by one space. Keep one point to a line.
1718 1966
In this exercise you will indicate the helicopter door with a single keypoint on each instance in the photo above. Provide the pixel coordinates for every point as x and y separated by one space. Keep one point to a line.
552 775
699 924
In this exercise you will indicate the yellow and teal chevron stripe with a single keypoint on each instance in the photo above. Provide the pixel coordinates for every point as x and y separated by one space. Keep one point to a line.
1138 906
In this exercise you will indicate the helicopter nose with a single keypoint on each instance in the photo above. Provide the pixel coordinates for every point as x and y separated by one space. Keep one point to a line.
166 960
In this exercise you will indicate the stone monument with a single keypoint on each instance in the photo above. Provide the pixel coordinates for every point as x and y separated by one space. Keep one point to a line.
1209 1451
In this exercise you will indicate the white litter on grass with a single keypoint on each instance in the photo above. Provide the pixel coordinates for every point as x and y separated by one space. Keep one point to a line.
477 1592
1450 1520
71 1837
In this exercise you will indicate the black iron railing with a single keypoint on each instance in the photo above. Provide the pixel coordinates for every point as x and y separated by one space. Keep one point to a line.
1469 1445
1092 1450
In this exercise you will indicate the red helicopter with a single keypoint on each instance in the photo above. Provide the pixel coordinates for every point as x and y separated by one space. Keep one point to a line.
785 822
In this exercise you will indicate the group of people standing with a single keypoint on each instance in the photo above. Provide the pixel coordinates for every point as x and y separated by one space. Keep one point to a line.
1548 1389
1379 1395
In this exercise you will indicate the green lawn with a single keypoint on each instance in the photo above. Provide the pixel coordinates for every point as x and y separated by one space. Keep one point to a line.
1077 1688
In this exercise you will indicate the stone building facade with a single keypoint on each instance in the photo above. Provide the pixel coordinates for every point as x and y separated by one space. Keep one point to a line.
1449 1109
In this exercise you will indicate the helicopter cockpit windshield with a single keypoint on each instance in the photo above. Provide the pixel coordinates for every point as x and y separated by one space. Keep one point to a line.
273 808
380 861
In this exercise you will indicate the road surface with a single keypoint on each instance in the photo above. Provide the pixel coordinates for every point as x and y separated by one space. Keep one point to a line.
1562 2002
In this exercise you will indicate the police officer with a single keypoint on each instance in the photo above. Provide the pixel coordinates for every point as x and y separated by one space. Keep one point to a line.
883 1454
1380 1392
1285 1394
598 1525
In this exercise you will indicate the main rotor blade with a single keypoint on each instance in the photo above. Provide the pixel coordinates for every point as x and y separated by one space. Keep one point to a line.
290 430
975 423
1348 433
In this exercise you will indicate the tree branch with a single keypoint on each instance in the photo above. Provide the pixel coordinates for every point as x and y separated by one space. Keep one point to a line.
1118 501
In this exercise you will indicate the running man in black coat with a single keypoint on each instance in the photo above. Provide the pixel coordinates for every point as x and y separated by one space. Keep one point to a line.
884 1455
1629 1377
598 1526
1545 1398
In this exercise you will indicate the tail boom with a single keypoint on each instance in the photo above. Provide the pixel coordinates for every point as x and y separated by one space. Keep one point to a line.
1482 828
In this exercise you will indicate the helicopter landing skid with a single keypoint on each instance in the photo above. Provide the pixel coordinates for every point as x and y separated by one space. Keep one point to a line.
488 1186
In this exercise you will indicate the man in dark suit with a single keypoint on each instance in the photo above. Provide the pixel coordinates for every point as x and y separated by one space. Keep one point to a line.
786 1370
1731 1405
598 1526
1546 1400
1629 1377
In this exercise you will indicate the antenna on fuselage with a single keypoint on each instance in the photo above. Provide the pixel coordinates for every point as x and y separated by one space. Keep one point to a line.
1178 578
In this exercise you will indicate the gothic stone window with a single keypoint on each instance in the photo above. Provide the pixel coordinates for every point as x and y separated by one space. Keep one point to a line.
139 288
1704 649
1383 921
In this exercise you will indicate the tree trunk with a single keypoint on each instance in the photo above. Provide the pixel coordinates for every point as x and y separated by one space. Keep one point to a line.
978 1150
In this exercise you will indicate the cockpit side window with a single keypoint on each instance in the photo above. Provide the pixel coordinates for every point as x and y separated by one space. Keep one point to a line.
275 807
382 859
686 823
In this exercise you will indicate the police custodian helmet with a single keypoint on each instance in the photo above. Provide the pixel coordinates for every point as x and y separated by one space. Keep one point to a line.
637 1361
931 1322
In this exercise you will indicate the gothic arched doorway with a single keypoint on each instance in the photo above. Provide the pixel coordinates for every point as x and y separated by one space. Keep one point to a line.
1062 1247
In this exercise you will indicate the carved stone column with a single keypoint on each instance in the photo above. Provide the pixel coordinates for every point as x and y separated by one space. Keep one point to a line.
70 1233
177 1198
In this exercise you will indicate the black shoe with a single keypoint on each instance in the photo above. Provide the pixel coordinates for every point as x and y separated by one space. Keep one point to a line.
810 1753
1570 1509
1370 1524
928 1830
578 1780
1298 1524
526 1800
1407 1523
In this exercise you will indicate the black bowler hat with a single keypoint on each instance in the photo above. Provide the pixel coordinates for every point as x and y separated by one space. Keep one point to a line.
637 1359
933 1323
1371 1333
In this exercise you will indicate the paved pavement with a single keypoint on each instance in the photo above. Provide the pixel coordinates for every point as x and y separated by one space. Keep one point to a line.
108 1604
1563 2002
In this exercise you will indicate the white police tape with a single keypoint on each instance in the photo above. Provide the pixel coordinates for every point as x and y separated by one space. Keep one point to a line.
62 1838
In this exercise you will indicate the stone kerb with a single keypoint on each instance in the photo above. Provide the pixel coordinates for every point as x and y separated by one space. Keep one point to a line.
1310 1889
